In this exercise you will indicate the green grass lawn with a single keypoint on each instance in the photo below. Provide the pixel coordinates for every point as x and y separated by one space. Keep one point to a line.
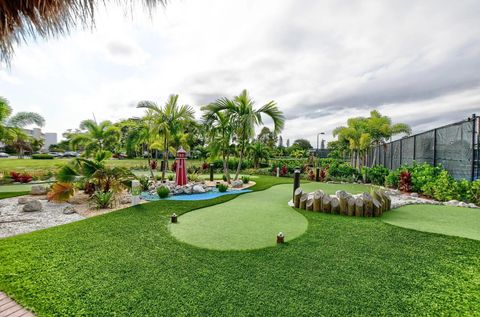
127 263
251 221
4 195
453 221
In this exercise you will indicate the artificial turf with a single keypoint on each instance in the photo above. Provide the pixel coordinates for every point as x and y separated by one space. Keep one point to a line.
250 221
453 221
4 195
127 263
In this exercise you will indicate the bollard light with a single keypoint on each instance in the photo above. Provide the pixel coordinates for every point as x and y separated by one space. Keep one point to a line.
280 238
174 218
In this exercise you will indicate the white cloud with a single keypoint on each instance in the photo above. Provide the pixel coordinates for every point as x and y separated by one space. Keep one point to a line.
322 61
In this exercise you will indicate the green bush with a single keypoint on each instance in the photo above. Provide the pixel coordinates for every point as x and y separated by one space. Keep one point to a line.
102 199
375 175
443 188
290 164
163 191
475 191
222 188
422 174
42 157
245 179
392 179
224 178
342 171
170 177
144 182
232 164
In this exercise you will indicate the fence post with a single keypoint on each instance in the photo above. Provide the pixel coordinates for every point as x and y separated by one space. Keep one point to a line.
296 180
391 156
401 150
414 147
434 147
474 121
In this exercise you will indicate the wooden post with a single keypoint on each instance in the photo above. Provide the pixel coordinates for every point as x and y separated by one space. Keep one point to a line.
359 207
351 206
367 205
317 174
296 180
296 197
303 201
211 172
326 204
310 204
377 208
342 198
335 205
317 200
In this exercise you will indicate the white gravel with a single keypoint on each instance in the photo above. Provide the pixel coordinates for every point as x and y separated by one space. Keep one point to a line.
14 221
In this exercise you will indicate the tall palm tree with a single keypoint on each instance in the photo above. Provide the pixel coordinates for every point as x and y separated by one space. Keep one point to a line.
220 131
97 136
381 130
11 127
357 137
169 123
245 118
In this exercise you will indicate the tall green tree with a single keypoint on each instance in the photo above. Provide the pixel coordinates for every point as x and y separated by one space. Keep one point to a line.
168 123
357 137
257 152
96 137
245 117
381 129
220 132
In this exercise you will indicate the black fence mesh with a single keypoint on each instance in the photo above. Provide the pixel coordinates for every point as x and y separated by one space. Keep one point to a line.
455 147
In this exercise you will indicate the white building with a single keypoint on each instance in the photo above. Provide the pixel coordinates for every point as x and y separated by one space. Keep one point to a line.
48 138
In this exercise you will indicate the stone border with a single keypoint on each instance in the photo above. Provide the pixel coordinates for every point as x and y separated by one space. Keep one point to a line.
9 308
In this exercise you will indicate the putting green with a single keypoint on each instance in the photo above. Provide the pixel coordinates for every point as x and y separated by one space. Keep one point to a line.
250 221
452 221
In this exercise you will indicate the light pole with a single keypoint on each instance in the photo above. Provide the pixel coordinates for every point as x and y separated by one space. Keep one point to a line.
318 134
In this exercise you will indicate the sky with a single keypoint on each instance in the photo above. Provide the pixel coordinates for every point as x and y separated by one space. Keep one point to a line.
321 61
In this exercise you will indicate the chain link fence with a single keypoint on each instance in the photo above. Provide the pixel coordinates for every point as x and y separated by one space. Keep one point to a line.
454 146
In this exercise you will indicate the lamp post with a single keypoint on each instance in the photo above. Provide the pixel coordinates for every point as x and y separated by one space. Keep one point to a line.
318 134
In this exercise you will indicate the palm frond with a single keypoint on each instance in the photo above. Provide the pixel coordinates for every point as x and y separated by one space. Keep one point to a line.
22 119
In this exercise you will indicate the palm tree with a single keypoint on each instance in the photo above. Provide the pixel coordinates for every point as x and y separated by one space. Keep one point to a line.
11 127
168 123
257 152
220 130
356 136
97 136
245 118
381 130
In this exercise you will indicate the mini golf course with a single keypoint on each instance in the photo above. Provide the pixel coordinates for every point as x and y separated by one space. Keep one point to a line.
250 221
452 221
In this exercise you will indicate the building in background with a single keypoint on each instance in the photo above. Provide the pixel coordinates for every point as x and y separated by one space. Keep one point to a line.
49 138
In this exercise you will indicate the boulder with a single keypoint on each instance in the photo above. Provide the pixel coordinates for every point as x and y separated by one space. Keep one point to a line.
198 189
452 203
126 198
38 190
68 210
23 200
414 195
237 183
32 205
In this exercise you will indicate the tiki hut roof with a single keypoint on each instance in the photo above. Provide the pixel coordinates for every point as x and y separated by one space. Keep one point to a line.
20 19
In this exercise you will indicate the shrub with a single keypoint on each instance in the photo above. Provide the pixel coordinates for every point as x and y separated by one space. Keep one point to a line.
323 175
232 164
102 199
475 191
174 166
222 188
163 191
375 175
224 178
443 188
170 177
463 190
405 182
144 182
392 179
42 157
245 179
194 177
422 174
342 170
205 166
153 164
21 178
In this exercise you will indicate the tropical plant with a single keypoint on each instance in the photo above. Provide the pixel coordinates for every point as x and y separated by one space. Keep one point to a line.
168 123
245 179
60 192
356 137
405 181
96 137
257 152
244 118
163 191
222 188
102 199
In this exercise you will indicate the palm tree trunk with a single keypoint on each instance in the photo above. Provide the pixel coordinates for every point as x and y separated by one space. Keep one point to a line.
165 159
225 168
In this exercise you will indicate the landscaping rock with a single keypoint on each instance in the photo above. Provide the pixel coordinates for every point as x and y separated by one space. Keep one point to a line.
452 203
126 198
32 205
198 189
414 195
23 200
472 205
68 210
38 190
237 184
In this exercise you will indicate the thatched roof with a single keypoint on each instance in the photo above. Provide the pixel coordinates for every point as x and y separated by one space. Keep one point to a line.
45 18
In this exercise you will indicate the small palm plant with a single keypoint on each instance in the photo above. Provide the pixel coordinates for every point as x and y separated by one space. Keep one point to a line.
102 199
